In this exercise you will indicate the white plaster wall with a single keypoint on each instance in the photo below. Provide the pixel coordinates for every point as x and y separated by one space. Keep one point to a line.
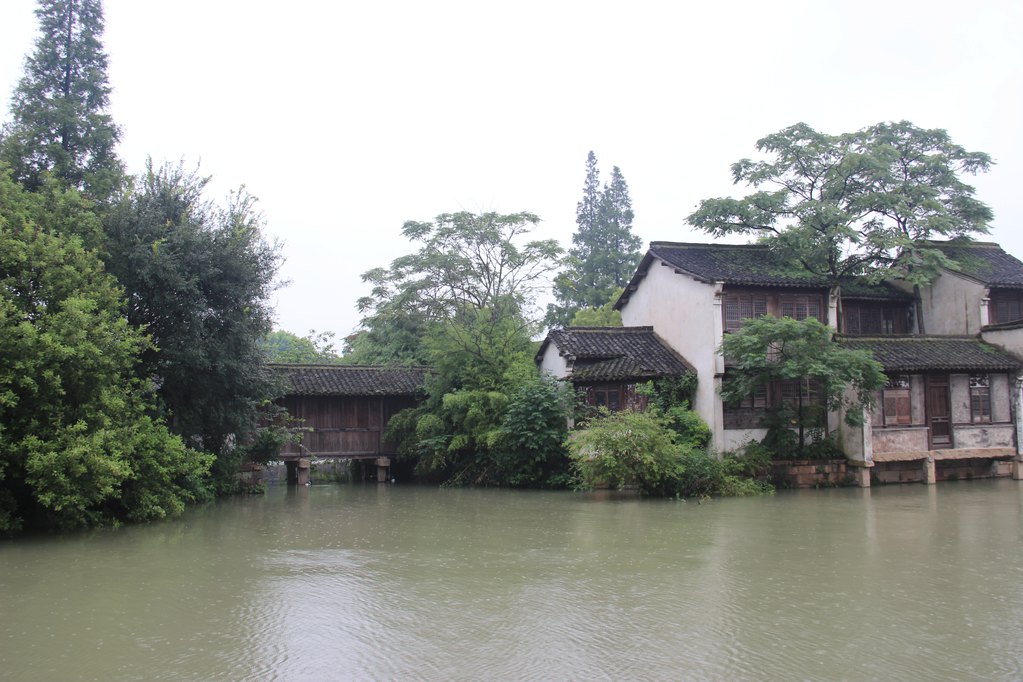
553 363
734 439
1001 398
959 393
1010 340
951 305
682 311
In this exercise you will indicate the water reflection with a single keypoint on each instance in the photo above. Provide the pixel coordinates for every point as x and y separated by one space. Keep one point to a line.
395 582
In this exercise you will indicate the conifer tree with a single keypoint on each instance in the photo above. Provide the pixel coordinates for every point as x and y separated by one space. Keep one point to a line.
60 122
604 251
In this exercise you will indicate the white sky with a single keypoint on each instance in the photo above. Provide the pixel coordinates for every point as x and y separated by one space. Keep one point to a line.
348 118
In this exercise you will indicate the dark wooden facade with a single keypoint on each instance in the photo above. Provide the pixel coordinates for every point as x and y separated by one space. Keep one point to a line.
343 411
342 426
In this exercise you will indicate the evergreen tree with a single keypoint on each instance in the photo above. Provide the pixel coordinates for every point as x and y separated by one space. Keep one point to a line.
198 278
59 113
604 252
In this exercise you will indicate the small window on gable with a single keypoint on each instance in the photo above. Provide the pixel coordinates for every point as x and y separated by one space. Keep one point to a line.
896 404
1006 306
980 399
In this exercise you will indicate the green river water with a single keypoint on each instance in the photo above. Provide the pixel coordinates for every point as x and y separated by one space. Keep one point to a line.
409 583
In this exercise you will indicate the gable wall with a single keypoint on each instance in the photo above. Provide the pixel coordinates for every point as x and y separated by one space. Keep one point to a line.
686 315
952 305
553 363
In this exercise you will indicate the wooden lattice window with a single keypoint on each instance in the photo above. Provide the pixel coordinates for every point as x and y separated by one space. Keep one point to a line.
739 307
1005 306
980 399
896 404
801 307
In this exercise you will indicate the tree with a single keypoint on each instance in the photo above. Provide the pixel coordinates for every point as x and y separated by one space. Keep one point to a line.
604 316
77 444
60 123
769 349
284 347
198 278
465 303
604 252
471 274
862 203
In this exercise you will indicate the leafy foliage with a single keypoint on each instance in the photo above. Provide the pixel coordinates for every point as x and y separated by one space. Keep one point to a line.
76 444
60 123
860 203
769 349
198 279
284 347
534 430
604 316
604 251
643 450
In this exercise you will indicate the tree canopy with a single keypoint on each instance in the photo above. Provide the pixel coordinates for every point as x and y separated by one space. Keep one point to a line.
198 279
77 443
60 124
604 251
862 203
769 349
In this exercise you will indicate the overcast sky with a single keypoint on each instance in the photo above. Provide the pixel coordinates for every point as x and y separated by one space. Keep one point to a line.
347 119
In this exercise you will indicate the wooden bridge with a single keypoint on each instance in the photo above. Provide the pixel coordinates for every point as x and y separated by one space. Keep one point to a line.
343 410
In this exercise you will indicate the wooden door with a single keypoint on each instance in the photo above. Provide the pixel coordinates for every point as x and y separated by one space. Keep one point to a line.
939 413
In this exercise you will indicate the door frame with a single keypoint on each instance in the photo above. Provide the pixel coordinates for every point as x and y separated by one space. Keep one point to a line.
938 381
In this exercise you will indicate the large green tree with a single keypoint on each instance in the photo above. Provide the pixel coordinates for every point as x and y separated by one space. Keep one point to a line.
77 443
469 290
769 349
604 251
198 278
857 203
60 122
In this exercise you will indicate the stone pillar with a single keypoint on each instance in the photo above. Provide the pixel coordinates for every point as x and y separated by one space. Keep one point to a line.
1017 470
383 469
930 471
860 472
291 469
303 471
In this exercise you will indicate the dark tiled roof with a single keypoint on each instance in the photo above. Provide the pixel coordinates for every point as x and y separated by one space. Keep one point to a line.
860 289
616 353
353 380
745 264
985 262
923 353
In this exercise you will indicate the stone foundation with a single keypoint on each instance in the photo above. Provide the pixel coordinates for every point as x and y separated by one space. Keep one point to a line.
812 473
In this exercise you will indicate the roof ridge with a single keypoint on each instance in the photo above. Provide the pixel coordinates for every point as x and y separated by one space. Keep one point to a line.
757 247
314 365
594 328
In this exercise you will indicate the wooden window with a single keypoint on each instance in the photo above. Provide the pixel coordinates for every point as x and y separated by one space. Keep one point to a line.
739 307
609 397
980 399
875 318
896 403
1005 306
800 307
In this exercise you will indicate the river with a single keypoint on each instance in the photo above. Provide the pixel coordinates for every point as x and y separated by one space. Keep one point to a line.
401 582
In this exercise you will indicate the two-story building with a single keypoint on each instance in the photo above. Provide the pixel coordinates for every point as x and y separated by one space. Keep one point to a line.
951 407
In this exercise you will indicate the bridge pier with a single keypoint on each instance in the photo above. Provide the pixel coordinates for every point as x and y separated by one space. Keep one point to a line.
383 469
291 467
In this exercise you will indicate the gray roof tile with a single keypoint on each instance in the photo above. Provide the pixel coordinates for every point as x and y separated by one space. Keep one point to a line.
352 380
924 353
616 353
984 261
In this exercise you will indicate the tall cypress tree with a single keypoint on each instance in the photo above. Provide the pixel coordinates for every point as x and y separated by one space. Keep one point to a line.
604 251
59 113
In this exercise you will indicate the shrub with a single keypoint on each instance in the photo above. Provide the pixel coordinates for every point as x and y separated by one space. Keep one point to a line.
625 449
532 450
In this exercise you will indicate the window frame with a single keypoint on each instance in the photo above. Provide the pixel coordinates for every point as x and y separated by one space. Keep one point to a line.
897 401
980 397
